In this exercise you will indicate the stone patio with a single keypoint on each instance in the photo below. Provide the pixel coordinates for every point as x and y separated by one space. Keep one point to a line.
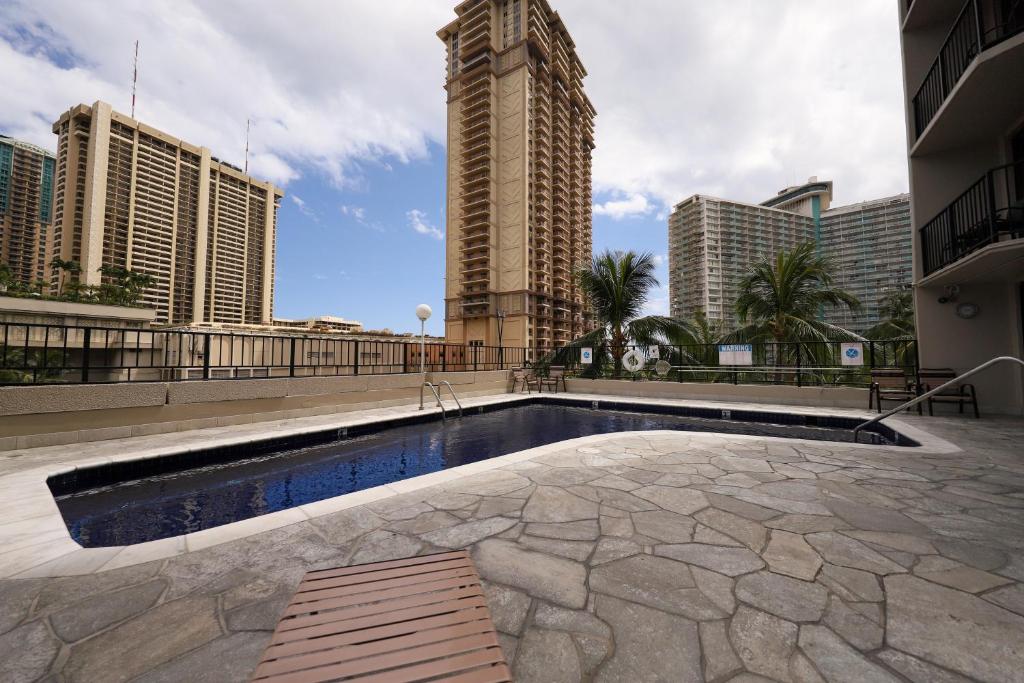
660 557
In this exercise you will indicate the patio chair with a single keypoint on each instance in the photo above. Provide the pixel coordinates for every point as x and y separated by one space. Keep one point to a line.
891 385
420 618
960 394
525 379
556 374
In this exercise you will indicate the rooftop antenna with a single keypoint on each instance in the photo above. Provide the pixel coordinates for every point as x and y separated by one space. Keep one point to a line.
247 124
135 76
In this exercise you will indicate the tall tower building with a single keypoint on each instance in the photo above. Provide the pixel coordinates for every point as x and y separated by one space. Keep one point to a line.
26 208
519 207
131 196
714 242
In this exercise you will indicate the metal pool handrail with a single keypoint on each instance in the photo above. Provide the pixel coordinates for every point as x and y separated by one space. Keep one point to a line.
457 402
434 391
923 397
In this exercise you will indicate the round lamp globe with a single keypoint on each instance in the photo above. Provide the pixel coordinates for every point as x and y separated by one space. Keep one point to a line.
423 312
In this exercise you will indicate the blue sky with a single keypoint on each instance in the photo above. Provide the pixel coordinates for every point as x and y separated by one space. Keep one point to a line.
356 252
346 97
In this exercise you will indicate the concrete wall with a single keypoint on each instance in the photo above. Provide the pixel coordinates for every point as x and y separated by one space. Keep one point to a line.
50 415
823 397
948 341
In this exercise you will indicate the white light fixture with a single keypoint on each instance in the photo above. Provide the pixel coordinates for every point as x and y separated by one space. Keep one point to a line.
423 312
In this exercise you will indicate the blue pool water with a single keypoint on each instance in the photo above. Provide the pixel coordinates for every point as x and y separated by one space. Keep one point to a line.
149 500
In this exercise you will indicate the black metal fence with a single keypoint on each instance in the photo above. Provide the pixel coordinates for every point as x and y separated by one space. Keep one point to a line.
795 364
57 354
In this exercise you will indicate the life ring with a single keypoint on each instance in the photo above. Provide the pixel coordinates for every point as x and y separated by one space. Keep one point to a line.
633 361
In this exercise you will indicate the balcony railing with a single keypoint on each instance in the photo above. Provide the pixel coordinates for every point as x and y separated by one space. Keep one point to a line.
991 210
980 25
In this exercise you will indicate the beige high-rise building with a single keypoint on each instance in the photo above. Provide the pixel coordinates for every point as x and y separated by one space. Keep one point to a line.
713 243
26 208
963 62
131 196
519 209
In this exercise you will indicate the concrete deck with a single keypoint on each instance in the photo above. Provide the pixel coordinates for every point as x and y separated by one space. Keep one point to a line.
645 556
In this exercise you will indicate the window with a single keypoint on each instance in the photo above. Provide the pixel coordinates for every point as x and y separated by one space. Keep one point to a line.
453 67
511 22
476 342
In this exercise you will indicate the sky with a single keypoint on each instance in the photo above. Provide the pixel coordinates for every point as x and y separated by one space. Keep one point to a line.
734 99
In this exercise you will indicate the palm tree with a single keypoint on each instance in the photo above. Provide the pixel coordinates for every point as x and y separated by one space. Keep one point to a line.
617 285
896 310
896 327
781 299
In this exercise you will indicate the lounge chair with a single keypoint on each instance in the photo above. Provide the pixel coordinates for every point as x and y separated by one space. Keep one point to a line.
960 394
556 374
891 385
420 618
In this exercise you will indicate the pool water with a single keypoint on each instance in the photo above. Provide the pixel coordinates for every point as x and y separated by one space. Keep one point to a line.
112 508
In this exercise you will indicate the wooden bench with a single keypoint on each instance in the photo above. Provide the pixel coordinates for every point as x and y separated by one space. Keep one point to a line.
891 385
961 394
415 619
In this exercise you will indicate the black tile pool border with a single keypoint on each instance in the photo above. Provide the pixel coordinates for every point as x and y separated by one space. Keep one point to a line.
107 474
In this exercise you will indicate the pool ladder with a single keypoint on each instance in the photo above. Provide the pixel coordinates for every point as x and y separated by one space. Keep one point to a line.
435 390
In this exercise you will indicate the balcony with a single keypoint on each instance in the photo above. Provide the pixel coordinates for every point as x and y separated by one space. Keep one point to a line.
990 212
980 26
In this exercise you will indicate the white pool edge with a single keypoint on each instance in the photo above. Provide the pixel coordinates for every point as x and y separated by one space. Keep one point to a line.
36 542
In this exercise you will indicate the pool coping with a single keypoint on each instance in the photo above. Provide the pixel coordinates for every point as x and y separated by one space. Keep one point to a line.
37 543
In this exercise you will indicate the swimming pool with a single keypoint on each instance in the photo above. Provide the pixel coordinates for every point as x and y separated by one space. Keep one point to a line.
145 500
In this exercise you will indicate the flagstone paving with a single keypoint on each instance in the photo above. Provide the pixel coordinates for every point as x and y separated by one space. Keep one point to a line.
640 558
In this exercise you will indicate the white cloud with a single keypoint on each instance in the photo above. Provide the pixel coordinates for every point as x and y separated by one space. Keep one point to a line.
736 99
304 208
326 85
319 276
740 99
634 205
357 212
418 222
657 302
660 260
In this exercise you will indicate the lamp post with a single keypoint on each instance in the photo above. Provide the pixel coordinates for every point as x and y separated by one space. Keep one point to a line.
501 327
423 312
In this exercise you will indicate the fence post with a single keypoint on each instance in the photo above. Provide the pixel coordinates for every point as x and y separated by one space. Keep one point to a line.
405 358
871 351
356 361
799 377
474 358
206 356
444 358
86 343
291 360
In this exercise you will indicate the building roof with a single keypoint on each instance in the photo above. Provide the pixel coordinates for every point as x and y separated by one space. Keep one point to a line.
27 146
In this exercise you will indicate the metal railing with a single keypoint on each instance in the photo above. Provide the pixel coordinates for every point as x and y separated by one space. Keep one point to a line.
989 210
980 25
56 354
60 354
928 394
446 383
437 395
793 364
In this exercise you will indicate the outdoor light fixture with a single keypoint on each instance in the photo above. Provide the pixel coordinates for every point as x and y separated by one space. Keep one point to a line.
423 312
